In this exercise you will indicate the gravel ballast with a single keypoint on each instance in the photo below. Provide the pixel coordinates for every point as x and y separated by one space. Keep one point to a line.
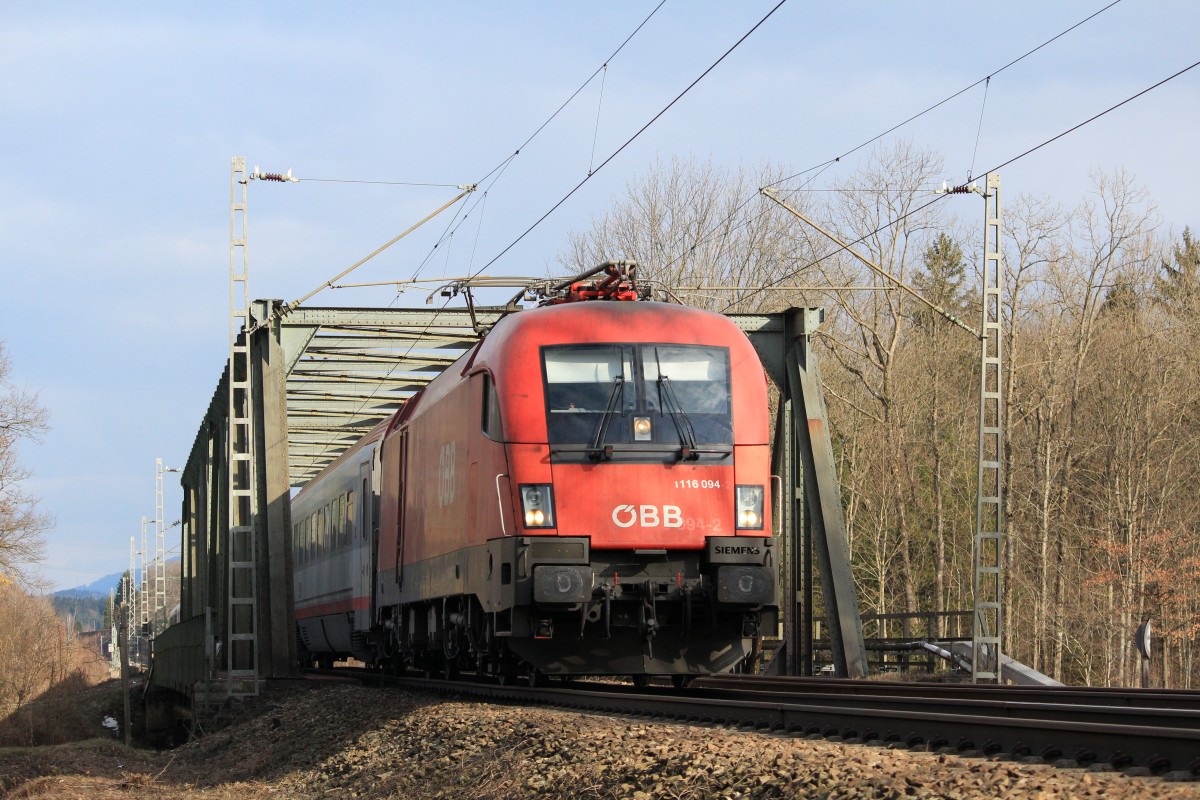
347 741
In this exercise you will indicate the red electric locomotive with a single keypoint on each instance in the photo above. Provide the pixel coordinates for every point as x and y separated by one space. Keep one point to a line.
586 491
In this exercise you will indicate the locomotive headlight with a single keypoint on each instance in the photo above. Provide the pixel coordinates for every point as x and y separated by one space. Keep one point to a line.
641 429
750 507
537 505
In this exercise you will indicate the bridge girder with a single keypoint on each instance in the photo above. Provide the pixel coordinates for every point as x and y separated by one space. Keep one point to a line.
326 376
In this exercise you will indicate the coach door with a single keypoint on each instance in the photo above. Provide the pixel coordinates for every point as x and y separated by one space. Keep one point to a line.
364 546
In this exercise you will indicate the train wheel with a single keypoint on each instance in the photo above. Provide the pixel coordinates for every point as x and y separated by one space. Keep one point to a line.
682 681
535 678
640 681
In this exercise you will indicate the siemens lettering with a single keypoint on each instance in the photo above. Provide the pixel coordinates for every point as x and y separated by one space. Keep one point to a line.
741 550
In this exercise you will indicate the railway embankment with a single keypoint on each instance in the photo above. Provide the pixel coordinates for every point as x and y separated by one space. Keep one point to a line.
339 740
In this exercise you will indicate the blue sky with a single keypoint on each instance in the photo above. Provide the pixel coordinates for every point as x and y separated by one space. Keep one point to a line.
118 123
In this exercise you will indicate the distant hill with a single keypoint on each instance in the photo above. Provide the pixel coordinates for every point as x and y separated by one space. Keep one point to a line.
100 587
83 606
96 589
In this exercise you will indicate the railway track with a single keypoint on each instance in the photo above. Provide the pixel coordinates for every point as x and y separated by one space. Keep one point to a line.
1153 733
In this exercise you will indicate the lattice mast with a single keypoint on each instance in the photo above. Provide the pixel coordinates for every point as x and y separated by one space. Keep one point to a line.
241 652
114 619
158 615
144 583
130 594
986 656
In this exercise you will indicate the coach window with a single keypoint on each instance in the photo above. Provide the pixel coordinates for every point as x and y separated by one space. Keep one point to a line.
350 517
339 521
492 427
322 519
329 538
302 548
343 521
330 529
364 509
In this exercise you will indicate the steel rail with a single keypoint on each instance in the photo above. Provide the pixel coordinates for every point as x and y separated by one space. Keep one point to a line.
1079 695
1059 734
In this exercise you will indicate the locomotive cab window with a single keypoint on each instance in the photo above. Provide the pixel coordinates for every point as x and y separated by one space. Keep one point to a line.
584 384
692 382
649 396
492 427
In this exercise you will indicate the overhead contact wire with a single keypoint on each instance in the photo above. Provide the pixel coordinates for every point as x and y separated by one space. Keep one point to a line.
821 167
633 138
574 94
942 102
599 106
382 183
996 168
979 130
498 171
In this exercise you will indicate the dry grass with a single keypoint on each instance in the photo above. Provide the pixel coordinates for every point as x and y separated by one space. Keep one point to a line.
67 712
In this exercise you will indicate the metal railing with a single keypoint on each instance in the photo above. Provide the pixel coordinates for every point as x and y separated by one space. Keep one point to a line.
180 655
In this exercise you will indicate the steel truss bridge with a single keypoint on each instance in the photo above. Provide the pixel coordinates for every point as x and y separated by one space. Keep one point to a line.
314 380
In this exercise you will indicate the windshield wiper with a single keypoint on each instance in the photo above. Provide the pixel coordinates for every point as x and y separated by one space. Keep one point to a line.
597 449
687 434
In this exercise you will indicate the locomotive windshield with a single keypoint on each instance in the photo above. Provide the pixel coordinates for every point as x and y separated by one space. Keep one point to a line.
644 395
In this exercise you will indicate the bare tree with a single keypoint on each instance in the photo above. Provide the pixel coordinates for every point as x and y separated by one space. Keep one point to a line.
1036 235
21 524
705 233
880 208
27 646
1057 378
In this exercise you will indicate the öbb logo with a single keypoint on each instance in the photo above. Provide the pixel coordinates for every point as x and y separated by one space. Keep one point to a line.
649 516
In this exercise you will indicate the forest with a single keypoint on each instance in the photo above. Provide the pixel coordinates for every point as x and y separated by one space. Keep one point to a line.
1101 422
